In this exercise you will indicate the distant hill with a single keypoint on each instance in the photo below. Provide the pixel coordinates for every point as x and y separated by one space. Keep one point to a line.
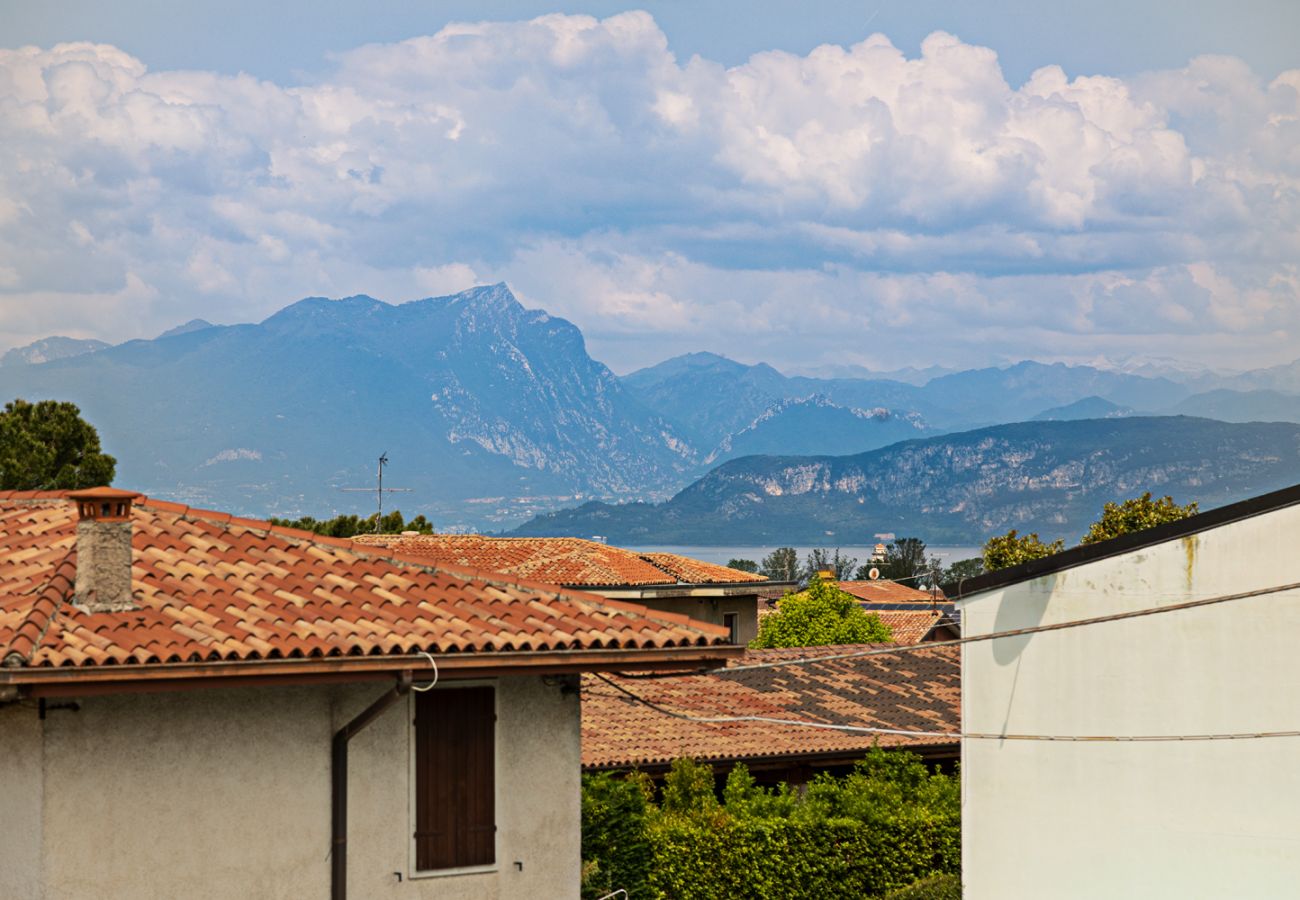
49 349
1242 406
816 425
488 410
1050 477
191 325
711 397
1087 408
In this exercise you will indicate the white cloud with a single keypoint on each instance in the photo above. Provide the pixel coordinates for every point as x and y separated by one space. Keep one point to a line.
789 203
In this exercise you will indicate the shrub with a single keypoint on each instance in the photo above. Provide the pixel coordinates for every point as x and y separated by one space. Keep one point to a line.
936 887
883 827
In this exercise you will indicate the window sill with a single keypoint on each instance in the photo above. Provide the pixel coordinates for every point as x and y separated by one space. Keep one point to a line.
449 873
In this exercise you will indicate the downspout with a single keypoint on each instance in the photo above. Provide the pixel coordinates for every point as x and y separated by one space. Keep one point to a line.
339 784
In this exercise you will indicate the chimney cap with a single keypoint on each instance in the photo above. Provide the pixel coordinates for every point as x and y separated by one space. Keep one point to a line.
103 493
107 504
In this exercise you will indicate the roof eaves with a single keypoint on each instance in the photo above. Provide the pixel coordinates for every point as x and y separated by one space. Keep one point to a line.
1138 540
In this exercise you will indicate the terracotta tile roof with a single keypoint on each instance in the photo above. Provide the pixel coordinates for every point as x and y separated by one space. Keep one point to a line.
910 626
569 561
915 691
886 592
211 587
695 571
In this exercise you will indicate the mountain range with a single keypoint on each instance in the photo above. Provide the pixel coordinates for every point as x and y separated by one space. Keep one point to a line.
1052 477
492 413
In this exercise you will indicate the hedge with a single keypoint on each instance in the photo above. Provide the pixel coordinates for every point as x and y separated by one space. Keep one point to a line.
885 826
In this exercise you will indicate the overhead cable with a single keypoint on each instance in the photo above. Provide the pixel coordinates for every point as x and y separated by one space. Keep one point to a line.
1017 632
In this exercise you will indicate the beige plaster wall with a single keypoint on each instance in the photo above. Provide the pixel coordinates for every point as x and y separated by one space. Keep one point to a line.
20 802
1154 819
711 609
226 793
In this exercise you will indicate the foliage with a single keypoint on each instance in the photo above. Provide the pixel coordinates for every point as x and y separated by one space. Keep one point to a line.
1137 514
782 564
351 526
905 558
823 614
615 848
48 446
743 565
882 827
962 568
936 887
821 559
1010 549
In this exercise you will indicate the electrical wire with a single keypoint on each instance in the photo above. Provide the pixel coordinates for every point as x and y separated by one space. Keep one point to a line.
950 735
430 686
1019 632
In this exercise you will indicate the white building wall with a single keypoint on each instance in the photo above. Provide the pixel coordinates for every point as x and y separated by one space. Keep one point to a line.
226 793
1151 819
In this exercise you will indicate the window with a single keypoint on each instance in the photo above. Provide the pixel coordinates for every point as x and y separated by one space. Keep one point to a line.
732 622
455 791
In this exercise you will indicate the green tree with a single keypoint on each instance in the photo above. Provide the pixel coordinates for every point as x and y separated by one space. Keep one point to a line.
743 565
823 614
1011 549
1137 514
820 559
48 446
782 564
350 526
962 569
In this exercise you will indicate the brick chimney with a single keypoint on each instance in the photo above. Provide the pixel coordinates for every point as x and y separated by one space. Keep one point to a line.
104 549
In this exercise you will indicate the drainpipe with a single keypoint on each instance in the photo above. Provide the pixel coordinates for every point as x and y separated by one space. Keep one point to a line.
339 784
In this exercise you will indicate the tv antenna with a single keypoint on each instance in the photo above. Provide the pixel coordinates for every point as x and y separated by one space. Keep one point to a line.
379 490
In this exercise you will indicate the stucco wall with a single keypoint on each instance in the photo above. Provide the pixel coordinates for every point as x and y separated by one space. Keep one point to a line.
1169 819
712 610
226 793
20 802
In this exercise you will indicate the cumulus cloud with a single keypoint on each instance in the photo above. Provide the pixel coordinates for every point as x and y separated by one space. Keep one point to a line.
854 200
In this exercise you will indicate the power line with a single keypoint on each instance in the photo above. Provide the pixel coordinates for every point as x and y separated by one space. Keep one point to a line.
948 735
953 735
1018 632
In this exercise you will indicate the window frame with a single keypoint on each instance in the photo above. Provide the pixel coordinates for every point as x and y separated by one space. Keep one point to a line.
412 871
731 620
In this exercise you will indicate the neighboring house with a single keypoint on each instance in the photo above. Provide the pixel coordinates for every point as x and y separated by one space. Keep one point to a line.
194 705
913 616
665 581
1143 757
916 690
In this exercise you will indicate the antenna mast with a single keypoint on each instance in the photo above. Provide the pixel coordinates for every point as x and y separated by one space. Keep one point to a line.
379 490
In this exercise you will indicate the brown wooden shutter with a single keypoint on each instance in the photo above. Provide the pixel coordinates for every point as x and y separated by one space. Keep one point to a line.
455 799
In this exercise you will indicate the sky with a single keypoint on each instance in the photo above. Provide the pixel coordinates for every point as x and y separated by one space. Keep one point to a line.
875 184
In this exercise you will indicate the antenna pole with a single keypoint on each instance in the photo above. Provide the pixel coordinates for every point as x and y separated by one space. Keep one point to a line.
379 491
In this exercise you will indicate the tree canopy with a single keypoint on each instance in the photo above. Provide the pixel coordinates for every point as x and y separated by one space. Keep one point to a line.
1012 549
821 559
48 446
782 564
1136 514
351 526
823 614
743 565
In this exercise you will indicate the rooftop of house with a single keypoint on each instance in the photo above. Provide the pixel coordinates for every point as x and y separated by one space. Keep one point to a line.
568 561
216 591
883 591
917 690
